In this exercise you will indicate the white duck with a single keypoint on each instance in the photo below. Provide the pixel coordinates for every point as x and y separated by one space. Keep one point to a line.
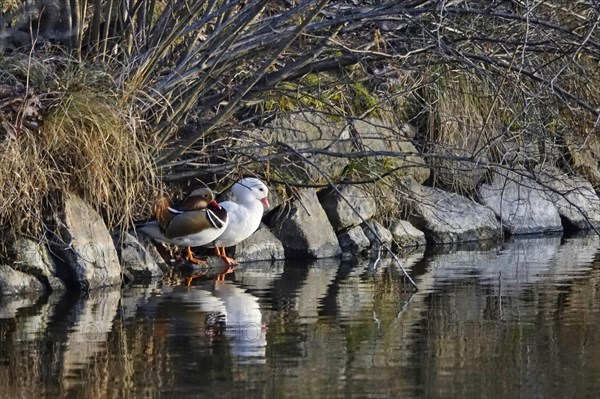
198 221
244 213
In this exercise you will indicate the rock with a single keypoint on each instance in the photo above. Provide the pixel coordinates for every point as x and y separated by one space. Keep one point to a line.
406 235
520 203
303 228
84 244
310 130
448 217
34 258
375 135
354 240
139 297
377 234
340 213
573 196
15 282
262 245
134 256
152 250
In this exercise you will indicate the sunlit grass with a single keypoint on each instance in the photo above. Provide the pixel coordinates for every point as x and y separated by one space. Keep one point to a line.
90 143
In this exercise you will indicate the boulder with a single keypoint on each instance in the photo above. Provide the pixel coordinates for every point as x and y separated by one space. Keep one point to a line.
448 217
354 241
34 258
309 130
303 228
574 197
15 282
341 213
136 258
84 244
375 135
520 203
153 250
406 235
262 245
377 234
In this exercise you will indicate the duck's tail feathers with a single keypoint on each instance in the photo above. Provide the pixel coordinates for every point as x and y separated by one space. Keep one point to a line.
164 213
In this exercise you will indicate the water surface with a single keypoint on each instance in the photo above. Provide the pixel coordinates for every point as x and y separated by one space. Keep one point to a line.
521 319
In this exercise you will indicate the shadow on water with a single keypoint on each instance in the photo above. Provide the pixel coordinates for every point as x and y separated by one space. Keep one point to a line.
519 319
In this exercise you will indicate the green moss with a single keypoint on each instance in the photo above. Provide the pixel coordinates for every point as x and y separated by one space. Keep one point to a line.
363 101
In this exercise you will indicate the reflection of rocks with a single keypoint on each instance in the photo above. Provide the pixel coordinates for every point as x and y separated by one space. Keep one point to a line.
15 282
85 245
355 295
137 299
259 275
10 305
520 263
32 325
520 203
307 299
87 337
34 258
304 229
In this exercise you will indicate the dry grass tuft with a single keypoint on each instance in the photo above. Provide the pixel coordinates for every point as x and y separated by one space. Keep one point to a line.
90 144
464 116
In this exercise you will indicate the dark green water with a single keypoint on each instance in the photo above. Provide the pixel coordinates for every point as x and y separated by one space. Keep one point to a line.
518 320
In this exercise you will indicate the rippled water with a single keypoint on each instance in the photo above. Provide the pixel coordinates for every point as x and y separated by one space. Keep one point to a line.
518 320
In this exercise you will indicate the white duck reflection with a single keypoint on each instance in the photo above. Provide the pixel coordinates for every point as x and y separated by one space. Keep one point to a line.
234 308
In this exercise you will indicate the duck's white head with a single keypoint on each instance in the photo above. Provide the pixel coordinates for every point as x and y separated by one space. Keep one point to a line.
251 189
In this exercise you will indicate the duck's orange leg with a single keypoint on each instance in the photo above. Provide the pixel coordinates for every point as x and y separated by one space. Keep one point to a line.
227 259
193 259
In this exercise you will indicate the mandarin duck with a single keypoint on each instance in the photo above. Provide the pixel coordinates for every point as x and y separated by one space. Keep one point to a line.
198 221
244 212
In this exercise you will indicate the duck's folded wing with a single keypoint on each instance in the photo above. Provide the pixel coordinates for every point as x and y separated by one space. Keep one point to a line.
187 223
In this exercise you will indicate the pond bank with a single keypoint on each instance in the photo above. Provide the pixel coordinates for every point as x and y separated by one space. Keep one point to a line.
81 254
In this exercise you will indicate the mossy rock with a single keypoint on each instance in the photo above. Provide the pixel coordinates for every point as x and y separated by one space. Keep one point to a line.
310 130
375 135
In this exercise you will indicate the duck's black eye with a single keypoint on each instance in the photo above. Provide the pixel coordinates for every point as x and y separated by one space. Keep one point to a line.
261 189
